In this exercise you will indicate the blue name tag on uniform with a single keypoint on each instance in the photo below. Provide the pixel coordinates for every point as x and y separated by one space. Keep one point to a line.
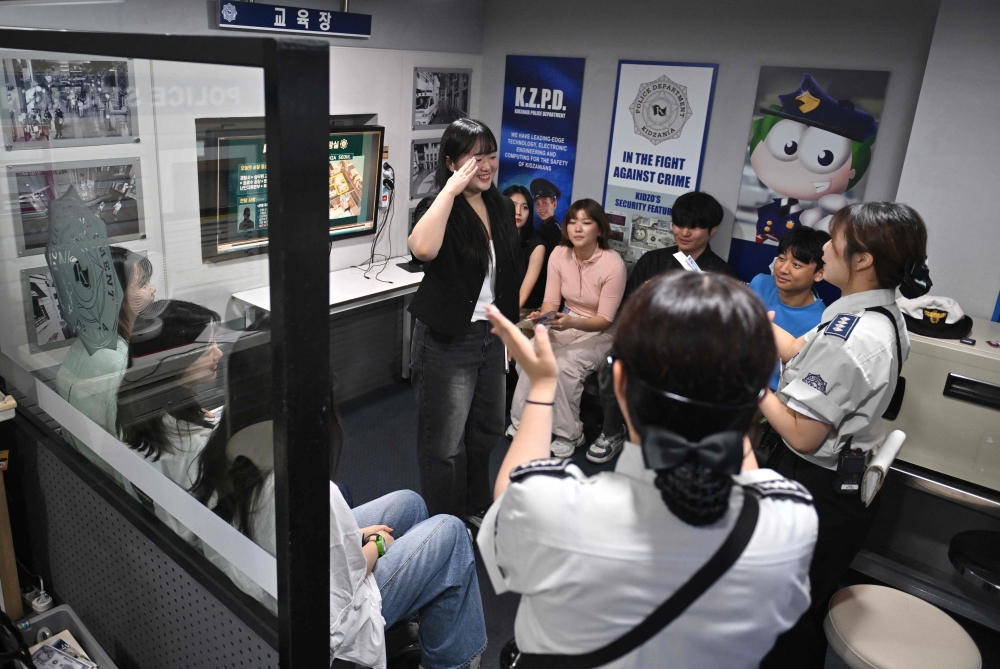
842 326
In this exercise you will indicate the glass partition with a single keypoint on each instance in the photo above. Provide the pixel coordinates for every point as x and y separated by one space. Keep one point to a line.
133 339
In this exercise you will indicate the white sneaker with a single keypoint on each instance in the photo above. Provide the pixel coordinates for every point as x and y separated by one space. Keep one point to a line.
511 431
563 447
606 448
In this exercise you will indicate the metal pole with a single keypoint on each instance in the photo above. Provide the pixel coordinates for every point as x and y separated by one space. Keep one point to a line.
297 104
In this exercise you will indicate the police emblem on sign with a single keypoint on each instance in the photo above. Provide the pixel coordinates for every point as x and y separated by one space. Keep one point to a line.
229 12
78 256
842 326
660 110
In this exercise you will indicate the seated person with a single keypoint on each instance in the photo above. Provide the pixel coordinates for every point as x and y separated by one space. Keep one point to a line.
695 220
536 254
171 441
590 277
788 290
593 557
90 380
388 561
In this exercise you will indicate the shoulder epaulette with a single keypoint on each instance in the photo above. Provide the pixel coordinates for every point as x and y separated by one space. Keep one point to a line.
782 489
549 466
842 326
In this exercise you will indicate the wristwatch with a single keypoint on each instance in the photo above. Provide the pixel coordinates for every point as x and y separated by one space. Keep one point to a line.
379 542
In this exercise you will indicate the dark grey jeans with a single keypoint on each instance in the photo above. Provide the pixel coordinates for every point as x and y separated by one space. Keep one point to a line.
460 389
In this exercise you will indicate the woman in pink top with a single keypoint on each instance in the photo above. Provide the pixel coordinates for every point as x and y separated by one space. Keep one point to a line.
590 277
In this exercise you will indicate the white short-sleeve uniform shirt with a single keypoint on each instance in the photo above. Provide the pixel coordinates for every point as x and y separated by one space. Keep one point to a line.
846 373
593 556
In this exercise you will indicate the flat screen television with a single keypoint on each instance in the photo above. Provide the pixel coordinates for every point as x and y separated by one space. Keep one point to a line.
232 169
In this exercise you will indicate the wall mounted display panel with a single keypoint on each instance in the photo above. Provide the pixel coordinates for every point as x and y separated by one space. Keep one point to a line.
54 101
233 185
109 187
440 96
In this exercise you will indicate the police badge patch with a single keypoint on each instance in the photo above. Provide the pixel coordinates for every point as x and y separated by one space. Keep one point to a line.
229 12
816 381
660 110
79 258
842 326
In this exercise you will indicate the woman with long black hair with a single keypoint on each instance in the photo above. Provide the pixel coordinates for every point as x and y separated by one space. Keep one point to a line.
536 254
686 517
467 236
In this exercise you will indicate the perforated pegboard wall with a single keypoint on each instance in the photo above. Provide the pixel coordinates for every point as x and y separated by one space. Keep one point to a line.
138 603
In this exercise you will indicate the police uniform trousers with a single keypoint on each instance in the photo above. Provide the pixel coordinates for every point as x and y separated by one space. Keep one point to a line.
844 523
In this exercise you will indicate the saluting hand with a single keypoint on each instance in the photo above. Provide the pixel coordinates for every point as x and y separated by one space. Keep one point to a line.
537 359
461 178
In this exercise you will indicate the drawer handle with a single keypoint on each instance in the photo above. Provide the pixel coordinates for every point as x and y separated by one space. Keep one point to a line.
973 391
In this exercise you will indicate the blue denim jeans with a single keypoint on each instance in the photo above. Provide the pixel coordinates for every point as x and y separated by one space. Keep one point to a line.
429 569
460 387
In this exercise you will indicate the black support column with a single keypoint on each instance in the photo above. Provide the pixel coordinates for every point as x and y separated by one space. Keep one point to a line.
297 103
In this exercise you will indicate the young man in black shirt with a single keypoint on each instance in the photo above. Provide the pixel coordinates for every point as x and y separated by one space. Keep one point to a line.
695 219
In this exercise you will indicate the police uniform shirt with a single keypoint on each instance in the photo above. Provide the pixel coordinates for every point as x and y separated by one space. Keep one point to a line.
846 372
593 556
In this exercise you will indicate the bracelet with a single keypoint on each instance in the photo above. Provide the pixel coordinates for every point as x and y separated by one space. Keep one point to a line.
380 544
542 404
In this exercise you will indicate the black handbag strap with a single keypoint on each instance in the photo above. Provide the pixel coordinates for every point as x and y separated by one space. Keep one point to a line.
724 558
895 328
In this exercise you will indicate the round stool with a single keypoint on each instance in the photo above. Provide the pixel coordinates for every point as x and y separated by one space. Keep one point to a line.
874 627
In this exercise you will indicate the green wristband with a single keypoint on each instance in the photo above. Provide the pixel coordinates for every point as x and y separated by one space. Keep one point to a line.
380 544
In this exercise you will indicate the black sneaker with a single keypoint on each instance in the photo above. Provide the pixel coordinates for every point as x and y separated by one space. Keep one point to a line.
476 519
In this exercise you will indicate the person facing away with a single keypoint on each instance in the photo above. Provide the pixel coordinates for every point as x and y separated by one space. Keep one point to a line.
788 291
593 557
590 277
389 561
695 218
172 439
467 237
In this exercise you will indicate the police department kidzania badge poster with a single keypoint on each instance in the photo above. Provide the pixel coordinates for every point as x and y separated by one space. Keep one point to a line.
812 139
657 146
541 117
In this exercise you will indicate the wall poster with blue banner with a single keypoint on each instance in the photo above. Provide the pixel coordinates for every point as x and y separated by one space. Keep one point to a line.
656 150
541 118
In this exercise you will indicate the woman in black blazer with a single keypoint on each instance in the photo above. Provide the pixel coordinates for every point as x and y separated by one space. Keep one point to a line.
467 236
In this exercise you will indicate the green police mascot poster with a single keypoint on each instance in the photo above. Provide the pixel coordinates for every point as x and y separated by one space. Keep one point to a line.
813 136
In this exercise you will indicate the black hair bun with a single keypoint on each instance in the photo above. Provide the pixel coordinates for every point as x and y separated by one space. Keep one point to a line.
916 279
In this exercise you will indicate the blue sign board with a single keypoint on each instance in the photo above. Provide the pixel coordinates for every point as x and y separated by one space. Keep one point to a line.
541 116
237 15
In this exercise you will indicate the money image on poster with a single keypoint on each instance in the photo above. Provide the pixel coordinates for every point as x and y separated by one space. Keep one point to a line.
649 234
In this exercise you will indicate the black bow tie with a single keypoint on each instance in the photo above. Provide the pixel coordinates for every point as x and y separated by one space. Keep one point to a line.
721 452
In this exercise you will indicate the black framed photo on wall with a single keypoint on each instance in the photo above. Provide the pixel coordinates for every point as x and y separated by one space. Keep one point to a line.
43 319
52 101
440 96
423 163
109 187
